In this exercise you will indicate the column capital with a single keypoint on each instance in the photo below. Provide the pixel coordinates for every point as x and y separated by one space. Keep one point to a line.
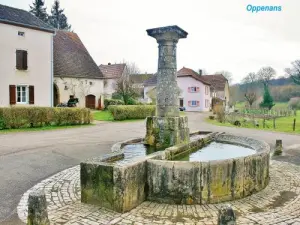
168 33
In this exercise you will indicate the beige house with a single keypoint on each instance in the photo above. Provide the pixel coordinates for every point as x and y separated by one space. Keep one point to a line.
219 87
111 73
75 72
25 79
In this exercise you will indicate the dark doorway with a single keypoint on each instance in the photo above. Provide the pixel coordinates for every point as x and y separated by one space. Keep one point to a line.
181 102
90 101
55 95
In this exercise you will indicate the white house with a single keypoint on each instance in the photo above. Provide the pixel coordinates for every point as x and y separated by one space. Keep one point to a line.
26 69
195 91
75 72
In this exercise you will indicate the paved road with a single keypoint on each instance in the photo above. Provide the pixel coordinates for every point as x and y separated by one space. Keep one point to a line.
27 158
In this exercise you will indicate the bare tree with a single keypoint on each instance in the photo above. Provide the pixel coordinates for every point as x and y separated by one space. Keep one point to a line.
294 71
125 86
265 74
250 85
226 74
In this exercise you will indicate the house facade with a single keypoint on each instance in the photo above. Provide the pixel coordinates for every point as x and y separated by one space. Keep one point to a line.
111 73
25 79
194 90
75 72
219 87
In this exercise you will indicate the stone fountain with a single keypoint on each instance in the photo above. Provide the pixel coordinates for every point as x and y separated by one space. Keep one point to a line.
120 182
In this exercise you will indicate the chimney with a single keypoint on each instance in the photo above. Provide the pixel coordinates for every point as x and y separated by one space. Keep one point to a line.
109 64
200 72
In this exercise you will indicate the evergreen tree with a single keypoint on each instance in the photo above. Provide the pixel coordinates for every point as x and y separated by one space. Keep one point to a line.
39 10
268 100
58 19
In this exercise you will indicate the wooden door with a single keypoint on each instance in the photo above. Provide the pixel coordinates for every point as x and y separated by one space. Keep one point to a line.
90 101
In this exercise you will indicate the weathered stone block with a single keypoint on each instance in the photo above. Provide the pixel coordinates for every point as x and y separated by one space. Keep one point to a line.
174 182
37 209
114 187
166 131
226 216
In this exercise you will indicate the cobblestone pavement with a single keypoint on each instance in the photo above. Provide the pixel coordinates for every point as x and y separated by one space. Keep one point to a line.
278 203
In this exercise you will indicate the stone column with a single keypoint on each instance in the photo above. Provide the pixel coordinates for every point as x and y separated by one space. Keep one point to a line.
167 128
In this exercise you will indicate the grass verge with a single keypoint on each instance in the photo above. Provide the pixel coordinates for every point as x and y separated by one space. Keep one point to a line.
105 115
46 128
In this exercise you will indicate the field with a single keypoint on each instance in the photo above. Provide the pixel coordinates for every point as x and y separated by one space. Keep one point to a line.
283 124
278 105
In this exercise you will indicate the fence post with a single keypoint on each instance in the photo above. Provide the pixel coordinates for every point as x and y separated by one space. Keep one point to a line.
294 125
264 122
274 123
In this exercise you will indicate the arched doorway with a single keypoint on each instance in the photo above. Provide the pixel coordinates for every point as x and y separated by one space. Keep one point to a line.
56 97
90 101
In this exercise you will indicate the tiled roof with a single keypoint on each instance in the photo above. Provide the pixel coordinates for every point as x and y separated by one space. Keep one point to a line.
217 81
140 78
189 72
112 70
181 73
22 18
71 58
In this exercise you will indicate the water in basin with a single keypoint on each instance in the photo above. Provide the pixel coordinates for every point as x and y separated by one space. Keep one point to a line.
218 151
136 150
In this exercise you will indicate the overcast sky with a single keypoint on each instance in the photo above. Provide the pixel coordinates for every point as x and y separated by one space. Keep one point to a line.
223 35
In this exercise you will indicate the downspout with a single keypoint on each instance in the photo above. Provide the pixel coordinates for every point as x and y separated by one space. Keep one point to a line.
51 86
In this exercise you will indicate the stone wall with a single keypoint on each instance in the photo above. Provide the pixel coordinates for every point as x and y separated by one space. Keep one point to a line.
208 182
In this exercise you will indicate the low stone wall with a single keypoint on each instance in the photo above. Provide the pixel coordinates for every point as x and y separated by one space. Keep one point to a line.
179 182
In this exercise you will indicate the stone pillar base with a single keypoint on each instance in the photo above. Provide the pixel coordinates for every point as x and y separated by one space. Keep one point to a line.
163 132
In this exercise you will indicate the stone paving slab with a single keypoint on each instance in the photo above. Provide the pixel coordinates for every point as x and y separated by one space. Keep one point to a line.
278 203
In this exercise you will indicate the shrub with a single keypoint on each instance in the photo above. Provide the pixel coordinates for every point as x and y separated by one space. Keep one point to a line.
220 111
294 103
124 112
108 102
211 117
23 117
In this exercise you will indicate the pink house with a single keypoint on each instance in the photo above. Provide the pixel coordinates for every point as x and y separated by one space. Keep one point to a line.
194 90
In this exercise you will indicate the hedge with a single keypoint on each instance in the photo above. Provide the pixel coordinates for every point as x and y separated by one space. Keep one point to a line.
24 117
125 112
108 102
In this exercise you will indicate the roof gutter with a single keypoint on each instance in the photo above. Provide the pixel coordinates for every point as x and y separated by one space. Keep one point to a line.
26 26
52 75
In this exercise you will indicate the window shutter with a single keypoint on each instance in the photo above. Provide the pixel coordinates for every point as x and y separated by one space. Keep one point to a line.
19 61
12 94
189 103
31 95
198 103
189 89
197 89
25 64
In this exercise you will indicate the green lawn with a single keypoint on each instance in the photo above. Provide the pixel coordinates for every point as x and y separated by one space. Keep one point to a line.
278 105
106 116
284 124
43 128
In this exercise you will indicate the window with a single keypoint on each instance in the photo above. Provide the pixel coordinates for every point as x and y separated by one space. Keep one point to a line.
22 94
194 103
21 60
193 89
206 90
22 34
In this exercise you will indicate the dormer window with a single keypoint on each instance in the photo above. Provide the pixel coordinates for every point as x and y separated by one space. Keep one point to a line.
21 33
